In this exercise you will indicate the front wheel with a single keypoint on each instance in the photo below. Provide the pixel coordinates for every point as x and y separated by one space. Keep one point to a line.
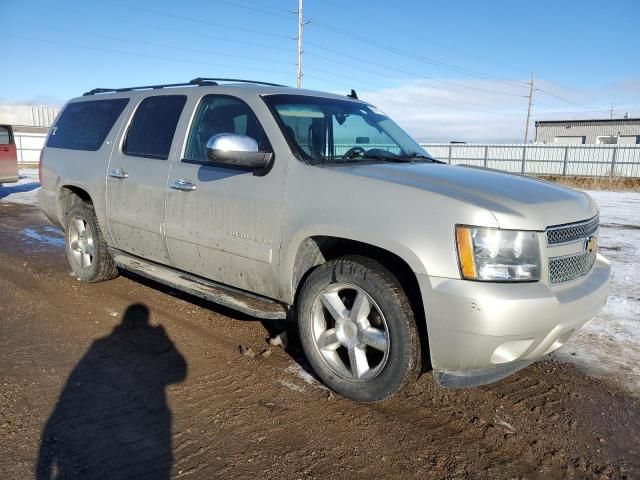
357 329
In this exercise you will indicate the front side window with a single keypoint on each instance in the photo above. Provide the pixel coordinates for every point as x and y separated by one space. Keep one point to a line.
153 126
222 114
5 135
334 131
85 125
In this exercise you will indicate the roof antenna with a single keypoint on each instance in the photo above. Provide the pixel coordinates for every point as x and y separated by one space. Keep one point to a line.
353 94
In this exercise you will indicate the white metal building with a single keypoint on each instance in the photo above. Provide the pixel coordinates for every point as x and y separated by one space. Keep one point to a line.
616 131
30 124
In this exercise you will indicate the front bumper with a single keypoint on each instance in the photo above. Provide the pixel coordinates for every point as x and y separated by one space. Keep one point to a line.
482 332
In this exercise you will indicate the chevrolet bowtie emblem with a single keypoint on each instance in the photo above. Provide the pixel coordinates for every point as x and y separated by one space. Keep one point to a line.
591 244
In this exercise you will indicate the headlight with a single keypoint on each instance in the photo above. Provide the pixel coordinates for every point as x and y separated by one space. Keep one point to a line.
491 254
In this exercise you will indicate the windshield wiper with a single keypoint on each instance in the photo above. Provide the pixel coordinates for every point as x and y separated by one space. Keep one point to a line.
358 155
391 158
415 156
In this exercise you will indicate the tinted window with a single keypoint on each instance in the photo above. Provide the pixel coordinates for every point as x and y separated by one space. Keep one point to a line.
85 125
5 135
153 126
222 114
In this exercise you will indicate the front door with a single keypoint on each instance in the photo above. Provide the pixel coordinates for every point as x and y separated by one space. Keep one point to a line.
223 223
137 178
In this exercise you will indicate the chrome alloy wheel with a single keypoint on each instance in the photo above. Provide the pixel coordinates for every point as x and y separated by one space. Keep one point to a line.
350 332
81 241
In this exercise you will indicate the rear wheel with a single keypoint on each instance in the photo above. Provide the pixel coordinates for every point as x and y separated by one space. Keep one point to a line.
358 330
86 249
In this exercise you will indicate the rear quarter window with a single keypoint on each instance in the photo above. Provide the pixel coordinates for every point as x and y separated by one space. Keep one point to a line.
85 125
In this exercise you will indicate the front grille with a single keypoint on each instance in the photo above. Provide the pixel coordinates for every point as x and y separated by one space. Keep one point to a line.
565 269
572 232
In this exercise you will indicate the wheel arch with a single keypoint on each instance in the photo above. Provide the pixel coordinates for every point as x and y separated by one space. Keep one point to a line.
67 197
319 249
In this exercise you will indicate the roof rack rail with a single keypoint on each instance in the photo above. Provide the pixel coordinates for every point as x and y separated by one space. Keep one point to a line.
209 81
129 89
200 82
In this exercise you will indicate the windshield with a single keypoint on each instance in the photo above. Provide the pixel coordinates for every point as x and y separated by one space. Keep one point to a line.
332 131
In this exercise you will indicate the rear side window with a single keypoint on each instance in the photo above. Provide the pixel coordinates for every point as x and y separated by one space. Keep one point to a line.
85 125
153 126
5 135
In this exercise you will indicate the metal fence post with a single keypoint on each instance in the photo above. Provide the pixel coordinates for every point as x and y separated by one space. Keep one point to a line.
486 156
564 164
19 138
524 159
450 154
614 157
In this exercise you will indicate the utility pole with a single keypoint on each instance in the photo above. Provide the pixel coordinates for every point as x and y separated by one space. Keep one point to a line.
611 111
300 23
532 89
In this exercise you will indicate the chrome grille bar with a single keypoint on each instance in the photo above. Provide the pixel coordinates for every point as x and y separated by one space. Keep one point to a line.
568 233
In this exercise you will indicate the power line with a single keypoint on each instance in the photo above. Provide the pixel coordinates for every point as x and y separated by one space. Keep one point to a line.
413 74
414 56
185 49
205 22
561 98
157 57
262 6
139 25
355 82
256 9
399 97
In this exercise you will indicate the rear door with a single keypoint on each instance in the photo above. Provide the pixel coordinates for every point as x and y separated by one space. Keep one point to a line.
8 155
137 177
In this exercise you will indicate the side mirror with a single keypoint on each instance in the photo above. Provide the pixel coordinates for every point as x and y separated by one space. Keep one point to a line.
237 150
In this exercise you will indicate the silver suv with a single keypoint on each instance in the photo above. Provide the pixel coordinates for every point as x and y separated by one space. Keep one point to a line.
287 203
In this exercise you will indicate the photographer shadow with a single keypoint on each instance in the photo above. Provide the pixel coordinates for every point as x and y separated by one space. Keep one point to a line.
112 419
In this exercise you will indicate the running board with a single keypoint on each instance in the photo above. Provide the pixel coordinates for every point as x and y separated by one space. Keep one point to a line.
235 299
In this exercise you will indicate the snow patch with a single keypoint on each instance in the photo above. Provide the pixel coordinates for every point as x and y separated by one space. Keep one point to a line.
610 344
297 370
300 372
57 240
291 386
24 191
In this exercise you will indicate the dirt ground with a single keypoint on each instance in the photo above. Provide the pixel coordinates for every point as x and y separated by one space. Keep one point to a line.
127 379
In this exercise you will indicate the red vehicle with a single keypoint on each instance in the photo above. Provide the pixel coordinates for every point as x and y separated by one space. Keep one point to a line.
8 155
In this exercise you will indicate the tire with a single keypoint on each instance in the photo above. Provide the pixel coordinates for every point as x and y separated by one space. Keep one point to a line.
85 245
358 330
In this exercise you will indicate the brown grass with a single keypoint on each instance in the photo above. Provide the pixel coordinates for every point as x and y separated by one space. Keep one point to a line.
596 183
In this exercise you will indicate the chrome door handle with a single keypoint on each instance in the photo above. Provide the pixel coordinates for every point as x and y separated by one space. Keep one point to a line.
118 173
183 185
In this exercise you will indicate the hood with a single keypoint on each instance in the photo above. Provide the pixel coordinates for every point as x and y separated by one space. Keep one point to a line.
517 201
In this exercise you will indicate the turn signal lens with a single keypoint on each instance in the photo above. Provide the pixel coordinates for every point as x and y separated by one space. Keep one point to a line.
465 252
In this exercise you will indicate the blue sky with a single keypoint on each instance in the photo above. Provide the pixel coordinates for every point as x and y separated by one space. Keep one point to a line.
444 70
